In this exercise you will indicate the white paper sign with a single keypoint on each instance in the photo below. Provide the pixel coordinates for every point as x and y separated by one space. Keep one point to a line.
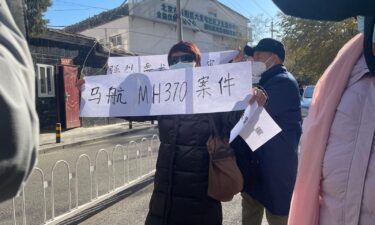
153 63
256 127
219 88
217 58
117 65
136 64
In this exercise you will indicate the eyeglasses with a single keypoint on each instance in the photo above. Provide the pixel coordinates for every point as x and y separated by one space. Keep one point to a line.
182 58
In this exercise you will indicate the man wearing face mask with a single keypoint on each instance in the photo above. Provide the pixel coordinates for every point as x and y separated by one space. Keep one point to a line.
270 172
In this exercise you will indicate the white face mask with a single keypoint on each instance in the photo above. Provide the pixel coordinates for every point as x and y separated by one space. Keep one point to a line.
269 60
361 26
182 65
258 68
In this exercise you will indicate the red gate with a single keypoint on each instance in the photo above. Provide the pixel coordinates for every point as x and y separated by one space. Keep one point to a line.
71 96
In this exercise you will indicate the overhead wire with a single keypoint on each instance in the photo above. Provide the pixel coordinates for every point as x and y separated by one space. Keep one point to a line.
90 7
218 4
136 6
244 8
239 4
106 64
83 5
254 1
234 6
261 8
87 56
63 10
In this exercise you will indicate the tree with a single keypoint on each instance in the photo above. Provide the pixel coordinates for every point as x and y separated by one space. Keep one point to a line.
36 24
260 26
18 15
312 45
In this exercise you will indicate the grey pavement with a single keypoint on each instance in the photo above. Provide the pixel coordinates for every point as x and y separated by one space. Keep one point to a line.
83 135
133 211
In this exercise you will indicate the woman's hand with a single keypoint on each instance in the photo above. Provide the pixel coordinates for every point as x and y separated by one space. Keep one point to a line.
258 96
80 84
239 57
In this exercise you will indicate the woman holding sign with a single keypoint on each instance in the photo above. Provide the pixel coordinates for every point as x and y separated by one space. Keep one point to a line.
181 179
180 193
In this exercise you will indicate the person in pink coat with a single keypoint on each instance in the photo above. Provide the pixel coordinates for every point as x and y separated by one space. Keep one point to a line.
336 175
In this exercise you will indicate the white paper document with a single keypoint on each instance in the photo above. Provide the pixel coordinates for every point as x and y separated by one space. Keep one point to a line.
256 127
249 112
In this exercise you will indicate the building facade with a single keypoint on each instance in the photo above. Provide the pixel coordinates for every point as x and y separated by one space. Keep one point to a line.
147 27
60 58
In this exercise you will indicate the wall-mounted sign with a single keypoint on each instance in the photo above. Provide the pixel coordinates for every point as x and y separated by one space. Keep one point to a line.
167 12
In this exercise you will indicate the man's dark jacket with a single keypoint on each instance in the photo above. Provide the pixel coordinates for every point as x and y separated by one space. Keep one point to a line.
270 171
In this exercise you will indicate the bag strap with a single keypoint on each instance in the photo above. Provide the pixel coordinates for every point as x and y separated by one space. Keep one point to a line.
217 125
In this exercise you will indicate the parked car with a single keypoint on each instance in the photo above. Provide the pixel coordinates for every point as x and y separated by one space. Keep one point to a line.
306 99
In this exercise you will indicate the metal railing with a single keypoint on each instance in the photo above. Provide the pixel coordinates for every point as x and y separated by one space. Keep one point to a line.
143 154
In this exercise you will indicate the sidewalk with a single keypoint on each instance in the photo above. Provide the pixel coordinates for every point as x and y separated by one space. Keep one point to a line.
82 135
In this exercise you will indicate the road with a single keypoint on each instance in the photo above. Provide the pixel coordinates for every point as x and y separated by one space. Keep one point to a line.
34 188
133 210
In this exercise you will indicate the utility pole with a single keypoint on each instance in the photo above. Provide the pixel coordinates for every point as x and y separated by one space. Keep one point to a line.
272 29
179 20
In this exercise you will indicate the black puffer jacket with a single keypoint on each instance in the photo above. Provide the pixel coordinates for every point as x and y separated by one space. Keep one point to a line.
181 179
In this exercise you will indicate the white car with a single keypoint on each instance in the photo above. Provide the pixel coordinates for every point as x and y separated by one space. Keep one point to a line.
306 100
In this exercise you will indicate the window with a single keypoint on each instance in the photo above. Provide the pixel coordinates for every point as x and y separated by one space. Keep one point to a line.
46 81
116 40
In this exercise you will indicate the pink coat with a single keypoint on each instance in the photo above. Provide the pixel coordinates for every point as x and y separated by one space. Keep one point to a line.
336 174
348 175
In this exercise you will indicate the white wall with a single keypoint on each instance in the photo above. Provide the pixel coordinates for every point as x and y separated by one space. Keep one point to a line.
113 28
143 33
148 37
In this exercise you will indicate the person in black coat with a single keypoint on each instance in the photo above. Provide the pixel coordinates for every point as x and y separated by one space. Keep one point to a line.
270 172
181 179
